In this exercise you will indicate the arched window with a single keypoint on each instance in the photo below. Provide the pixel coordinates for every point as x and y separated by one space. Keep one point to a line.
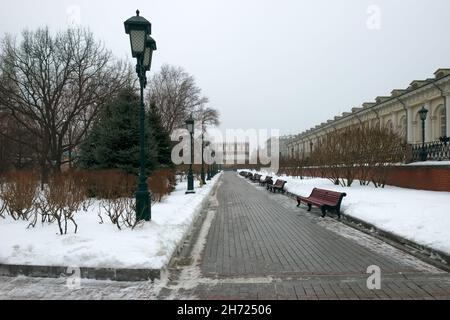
375 124
442 120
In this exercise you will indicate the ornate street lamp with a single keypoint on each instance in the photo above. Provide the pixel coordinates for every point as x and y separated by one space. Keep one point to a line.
142 47
190 179
208 170
202 173
208 173
423 116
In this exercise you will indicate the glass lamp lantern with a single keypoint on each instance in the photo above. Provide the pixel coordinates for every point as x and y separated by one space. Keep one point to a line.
150 46
423 114
139 29
190 125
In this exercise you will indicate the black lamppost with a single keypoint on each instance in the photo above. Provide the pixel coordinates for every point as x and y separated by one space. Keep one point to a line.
423 116
190 179
142 47
202 173
211 169
208 170
208 173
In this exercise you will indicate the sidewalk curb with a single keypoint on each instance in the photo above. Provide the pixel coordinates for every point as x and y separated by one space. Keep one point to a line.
186 243
113 274
12 270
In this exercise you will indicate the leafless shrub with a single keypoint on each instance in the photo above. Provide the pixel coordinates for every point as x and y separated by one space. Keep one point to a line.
110 184
161 182
387 149
18 194
63 197
2 203
2 208
121 212
357 152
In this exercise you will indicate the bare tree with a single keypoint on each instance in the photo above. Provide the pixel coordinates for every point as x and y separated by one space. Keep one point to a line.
207 116
176 95
356 152
53 86
14 154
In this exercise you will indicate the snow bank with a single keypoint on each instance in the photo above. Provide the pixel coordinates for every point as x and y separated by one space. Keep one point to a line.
429 163
103 245
419 216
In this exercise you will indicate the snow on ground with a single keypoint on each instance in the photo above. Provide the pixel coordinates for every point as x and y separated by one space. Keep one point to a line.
103 245
430 163
30 288
417 215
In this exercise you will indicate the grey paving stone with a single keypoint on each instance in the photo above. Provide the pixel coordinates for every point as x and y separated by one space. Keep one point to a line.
253 234
259 234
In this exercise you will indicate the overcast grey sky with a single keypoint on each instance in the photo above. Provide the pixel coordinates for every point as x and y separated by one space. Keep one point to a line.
278 64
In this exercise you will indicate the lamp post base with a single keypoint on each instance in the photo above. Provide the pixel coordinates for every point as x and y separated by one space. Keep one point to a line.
423 155
190 182
143 205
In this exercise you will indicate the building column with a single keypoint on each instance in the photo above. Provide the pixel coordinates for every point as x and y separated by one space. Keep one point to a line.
394 119
428 124
447 114
409 125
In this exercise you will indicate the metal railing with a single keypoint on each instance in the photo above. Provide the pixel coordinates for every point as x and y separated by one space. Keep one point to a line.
436 150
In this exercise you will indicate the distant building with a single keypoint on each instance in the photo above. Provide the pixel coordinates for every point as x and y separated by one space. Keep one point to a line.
236 153
284 141
397 112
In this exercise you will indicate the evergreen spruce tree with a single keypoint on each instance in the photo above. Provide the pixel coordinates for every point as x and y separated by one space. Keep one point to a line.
161 137
113 141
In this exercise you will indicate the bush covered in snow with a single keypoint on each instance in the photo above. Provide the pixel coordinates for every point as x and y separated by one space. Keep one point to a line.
19 194
70 193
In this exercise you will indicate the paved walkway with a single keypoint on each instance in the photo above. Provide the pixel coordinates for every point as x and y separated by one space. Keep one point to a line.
260 245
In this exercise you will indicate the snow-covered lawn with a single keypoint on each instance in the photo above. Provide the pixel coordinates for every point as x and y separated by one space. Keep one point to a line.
420 216
102 245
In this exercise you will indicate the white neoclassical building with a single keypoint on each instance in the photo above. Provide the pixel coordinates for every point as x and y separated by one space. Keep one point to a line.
236 153
398 111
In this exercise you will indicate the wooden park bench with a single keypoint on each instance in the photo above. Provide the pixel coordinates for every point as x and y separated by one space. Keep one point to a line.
278 186
256 177
265 181
324 199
